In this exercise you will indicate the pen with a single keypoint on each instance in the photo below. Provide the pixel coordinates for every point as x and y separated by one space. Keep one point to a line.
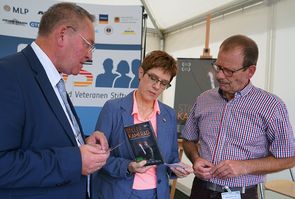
116 146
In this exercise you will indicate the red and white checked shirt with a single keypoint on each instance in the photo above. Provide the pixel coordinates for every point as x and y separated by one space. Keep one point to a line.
252 125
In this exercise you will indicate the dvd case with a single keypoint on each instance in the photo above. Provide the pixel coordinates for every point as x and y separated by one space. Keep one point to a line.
143 142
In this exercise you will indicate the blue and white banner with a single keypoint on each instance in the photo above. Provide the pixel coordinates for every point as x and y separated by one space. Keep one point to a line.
118 41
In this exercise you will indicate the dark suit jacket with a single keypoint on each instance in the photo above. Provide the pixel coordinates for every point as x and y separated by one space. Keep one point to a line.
39 157
113 181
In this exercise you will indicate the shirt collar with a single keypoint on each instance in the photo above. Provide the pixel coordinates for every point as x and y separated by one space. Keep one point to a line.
240 93
51 72
135 109
247 89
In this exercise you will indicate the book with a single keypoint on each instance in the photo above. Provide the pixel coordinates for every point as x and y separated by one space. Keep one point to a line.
143 143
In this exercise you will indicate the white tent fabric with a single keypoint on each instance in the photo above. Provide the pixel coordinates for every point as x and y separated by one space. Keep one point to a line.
168 15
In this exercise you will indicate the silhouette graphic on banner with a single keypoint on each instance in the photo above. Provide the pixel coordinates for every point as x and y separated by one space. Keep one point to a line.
134 67
119 78
123 80
106 79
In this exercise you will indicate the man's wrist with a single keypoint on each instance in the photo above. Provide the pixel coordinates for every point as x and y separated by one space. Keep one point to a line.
194 158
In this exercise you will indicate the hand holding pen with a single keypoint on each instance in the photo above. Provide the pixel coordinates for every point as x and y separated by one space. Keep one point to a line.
94 153
99 138
114 147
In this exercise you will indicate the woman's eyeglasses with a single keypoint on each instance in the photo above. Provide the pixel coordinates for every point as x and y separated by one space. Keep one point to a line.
164 84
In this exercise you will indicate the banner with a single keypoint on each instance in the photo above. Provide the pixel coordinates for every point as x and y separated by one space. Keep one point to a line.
118 41
195 76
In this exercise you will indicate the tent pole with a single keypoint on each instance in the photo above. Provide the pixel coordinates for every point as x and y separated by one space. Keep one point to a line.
152 19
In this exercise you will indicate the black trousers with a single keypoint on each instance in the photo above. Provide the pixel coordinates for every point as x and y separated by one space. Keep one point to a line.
199 192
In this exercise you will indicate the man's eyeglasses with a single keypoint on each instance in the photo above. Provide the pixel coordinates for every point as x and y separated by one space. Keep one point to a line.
90 46
226 72
163 83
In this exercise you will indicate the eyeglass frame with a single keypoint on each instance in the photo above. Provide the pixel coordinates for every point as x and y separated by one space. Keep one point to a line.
155 80
90 46
229 72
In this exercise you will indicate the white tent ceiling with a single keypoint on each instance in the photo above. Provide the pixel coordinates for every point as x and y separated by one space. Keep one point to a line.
169 15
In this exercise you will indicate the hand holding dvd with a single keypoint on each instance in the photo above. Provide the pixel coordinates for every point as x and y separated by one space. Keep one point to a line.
138 167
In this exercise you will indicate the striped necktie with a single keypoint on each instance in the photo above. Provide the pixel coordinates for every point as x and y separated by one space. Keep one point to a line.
62 91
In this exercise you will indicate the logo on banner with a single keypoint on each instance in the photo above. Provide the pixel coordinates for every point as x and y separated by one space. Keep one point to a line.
117 19
14 22
22 11
108 30
34 24
186 66
128 19
88 79
103 19
129 31
17 10
7 8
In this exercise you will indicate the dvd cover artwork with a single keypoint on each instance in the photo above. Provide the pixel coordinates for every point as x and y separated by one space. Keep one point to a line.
143 142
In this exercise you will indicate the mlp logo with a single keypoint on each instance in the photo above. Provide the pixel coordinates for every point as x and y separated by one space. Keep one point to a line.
18 10
22 11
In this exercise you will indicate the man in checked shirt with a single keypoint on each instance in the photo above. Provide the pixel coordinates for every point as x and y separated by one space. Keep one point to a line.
236 133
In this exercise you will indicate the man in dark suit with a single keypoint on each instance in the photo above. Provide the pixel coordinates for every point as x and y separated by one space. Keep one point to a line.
41 155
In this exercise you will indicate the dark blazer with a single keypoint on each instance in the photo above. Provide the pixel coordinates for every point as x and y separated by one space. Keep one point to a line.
113 181
39 157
